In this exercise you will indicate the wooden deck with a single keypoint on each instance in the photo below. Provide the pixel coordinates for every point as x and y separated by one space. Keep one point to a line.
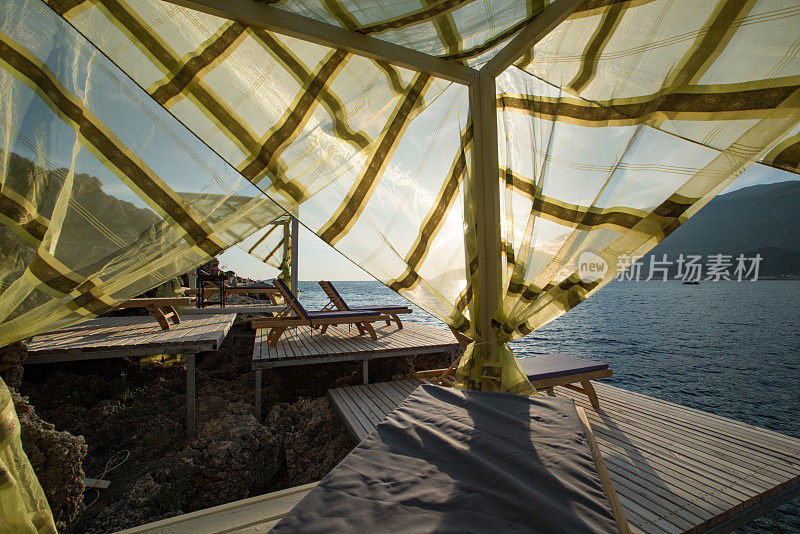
299 346
256 514
126 337
120 337
675 469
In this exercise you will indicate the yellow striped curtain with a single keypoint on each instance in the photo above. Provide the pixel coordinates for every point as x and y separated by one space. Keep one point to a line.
615 129
619 126
103 195
23 506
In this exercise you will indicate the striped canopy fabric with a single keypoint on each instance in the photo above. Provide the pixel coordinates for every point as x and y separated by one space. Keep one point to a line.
141 138
468 31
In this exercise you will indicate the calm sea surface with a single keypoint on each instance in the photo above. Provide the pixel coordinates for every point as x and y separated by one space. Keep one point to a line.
728 348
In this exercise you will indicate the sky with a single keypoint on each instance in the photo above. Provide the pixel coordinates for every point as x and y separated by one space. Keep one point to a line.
318 261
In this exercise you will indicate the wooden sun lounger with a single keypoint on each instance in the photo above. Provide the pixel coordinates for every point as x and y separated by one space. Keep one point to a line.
388 313
324 319
544 372
162 308
206 281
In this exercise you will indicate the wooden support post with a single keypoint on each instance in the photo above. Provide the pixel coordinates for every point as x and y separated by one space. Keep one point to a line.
486 181
486 166
588 390
258 395
365 369
287 248
295 255
190 396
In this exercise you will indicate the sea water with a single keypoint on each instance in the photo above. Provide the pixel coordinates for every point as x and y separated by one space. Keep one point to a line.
727 348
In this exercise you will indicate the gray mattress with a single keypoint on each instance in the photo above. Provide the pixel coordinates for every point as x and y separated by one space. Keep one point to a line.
448 460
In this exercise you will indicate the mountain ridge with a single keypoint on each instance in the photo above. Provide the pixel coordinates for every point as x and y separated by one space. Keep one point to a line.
760 219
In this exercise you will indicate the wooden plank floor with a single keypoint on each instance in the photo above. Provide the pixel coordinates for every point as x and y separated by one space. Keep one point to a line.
133 335
256 514
675 469
299 346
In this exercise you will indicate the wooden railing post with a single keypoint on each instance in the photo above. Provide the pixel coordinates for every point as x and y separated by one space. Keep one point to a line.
295 257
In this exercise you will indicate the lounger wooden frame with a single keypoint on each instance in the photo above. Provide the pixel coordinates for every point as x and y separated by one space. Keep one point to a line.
336 300
446 377
279 325
162 308
602 472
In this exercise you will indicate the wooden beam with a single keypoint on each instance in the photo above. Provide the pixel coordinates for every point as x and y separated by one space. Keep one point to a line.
486 168
261 15
747 515
539 27
256 514
353 357
295 256
602 472
34 359
287 247
486 165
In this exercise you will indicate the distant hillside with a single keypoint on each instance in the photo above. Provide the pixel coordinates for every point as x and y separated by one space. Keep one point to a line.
96 225
762 219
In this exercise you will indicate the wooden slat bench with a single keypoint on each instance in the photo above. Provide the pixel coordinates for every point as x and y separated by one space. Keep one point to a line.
271 293
256 514
255 309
